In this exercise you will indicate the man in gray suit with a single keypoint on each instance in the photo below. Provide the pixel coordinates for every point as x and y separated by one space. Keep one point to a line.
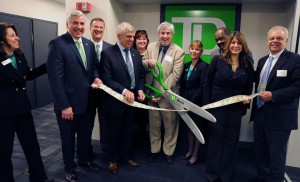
171 57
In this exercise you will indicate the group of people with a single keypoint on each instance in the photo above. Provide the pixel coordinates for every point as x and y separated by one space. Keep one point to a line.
74 63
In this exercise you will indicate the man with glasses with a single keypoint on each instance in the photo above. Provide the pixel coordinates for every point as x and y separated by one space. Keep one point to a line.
221 34
276 109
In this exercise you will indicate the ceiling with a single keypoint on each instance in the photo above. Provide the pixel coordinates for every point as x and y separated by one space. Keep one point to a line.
136 2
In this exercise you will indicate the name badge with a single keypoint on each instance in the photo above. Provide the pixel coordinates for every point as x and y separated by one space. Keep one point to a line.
168 58
6 62
281 73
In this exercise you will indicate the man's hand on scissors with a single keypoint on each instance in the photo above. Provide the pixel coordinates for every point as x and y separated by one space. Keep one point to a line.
141 96
129 96
156 99
152 63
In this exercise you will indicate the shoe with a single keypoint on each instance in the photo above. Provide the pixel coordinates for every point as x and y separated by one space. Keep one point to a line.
194 161
257 179
170 159
134 163
186 157
71 177
90 166
152 157
113 168
214 180
49 180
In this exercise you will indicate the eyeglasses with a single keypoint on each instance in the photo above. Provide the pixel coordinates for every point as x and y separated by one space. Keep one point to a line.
219 39
275 38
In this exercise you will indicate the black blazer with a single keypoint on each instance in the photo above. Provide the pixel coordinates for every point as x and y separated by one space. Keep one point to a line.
70 81
192 89
114 74
283 110
13 93
221 82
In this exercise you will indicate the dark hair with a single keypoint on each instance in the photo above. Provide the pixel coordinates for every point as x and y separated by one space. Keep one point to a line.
138 34
225 30
3 27
97 19
245 50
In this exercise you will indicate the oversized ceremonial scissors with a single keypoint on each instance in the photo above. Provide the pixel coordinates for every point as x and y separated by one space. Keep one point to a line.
179 103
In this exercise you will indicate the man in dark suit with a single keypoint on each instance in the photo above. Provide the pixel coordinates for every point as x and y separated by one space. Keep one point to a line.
276 109
71 65
97 26
121 69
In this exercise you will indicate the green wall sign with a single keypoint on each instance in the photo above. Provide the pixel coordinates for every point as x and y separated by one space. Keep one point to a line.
200 22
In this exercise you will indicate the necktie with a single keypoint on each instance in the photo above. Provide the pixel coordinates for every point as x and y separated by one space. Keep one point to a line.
98 51
130 68
161 54
81 52
263 83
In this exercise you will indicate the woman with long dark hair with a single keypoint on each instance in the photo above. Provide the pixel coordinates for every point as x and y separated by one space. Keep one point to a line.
15 109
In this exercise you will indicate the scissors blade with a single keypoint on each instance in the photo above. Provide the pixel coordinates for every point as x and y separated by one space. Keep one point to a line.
190 123
183 103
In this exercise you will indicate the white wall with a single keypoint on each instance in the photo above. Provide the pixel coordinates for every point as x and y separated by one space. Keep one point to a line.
38 9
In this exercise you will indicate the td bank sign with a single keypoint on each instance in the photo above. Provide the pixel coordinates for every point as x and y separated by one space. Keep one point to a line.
200 22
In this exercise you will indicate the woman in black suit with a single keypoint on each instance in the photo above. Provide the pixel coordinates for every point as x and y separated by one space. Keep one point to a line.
15 109
191 88
229 74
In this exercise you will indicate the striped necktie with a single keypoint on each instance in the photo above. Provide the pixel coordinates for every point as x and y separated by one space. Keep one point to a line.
81 52
263 83
130 68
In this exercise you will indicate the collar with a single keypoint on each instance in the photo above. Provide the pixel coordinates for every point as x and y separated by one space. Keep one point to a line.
276 56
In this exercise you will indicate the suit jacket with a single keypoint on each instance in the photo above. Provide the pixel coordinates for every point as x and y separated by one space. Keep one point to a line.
284 83
172 65
69 80
105 45
114 74
13 93
192 88
221 82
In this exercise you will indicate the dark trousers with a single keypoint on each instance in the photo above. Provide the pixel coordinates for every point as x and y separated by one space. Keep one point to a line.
120 134
81 126
23 125
223 144
270 148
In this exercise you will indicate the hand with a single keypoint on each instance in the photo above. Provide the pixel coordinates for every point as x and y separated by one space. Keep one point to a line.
97 82
156 99
152 63
67 113
266 96
141 96
246 101
129 96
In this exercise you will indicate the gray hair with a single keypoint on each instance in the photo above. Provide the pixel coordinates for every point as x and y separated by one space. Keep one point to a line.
166 25
124 27
74 13
286 32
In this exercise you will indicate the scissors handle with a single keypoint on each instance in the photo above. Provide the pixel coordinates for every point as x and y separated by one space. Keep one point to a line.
160 76
157 93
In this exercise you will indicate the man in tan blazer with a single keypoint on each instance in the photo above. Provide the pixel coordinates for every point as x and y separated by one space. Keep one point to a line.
171 56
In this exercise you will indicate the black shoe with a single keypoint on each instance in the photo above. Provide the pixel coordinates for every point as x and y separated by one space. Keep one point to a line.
186 157
152 157
257 179
49 180
214 180
71 177
170 159
89 165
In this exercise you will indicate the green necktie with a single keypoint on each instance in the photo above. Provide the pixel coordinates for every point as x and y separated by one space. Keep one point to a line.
81 52
98 51
13 61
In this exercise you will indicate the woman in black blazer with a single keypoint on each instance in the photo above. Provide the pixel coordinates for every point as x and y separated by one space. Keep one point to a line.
229 74
15 109
191 88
